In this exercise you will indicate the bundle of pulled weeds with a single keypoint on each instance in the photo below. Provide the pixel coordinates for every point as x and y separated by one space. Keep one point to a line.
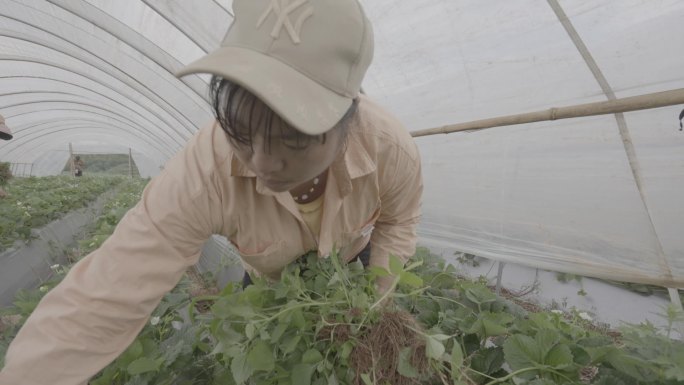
322 323
378 347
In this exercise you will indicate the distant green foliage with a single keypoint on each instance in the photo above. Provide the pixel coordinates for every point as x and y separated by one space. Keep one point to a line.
5 173
34 202
116 164
128 194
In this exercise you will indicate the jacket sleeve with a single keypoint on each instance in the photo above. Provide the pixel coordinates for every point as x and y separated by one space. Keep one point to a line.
95 313
401 189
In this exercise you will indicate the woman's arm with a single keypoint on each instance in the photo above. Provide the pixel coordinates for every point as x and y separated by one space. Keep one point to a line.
96 312
401 188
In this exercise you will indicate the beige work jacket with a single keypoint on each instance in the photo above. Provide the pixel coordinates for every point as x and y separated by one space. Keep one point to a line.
373 193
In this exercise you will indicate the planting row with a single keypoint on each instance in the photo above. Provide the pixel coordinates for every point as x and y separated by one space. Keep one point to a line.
33 202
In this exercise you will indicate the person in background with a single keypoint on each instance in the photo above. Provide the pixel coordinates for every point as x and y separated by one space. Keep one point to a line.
297 160
79 165
5 134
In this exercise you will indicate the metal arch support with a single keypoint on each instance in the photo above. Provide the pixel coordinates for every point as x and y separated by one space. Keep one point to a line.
228 11
151 123
133 39
54 65
126 79
122 118
170 21
151 112
132 127
48 140
28 138
82 58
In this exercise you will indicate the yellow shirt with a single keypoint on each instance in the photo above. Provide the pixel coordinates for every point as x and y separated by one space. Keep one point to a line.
373 192
312 213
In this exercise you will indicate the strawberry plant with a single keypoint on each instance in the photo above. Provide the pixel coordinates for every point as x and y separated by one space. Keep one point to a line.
5 173
34 202
323 323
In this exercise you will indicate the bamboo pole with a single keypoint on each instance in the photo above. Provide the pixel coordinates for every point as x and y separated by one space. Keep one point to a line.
633 103
71 160
677 303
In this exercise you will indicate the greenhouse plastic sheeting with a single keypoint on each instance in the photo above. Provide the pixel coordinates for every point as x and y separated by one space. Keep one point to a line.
557 195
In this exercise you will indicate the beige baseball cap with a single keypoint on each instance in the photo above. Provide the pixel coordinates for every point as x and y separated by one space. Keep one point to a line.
5 132
304 58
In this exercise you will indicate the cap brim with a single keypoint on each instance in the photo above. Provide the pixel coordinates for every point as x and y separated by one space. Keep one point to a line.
5 132
303 103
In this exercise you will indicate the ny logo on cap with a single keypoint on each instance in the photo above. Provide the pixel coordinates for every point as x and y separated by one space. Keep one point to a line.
282 10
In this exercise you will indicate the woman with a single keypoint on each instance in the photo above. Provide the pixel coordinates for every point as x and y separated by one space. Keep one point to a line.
297 160
79 165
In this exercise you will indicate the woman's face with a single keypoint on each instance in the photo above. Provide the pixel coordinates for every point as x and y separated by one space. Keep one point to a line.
278 159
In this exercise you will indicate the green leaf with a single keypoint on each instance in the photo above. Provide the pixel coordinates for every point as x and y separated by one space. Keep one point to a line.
334 280
580 356
226 308
241 369
675 373
347 348
144 365
404 366
332 380
290 344
249 330
131 354
490 324
433 348
479 294
546 340
366 379
278 332
440 337
301 374
378 271
410 279
312 356
559 357
521 352
600 353
632 366
260 357
395 265
298 319
456 357
487 361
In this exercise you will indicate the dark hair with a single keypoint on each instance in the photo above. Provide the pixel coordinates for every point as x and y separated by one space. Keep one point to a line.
230 101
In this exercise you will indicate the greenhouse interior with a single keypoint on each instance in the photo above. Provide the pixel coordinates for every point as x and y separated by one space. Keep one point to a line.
548 248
